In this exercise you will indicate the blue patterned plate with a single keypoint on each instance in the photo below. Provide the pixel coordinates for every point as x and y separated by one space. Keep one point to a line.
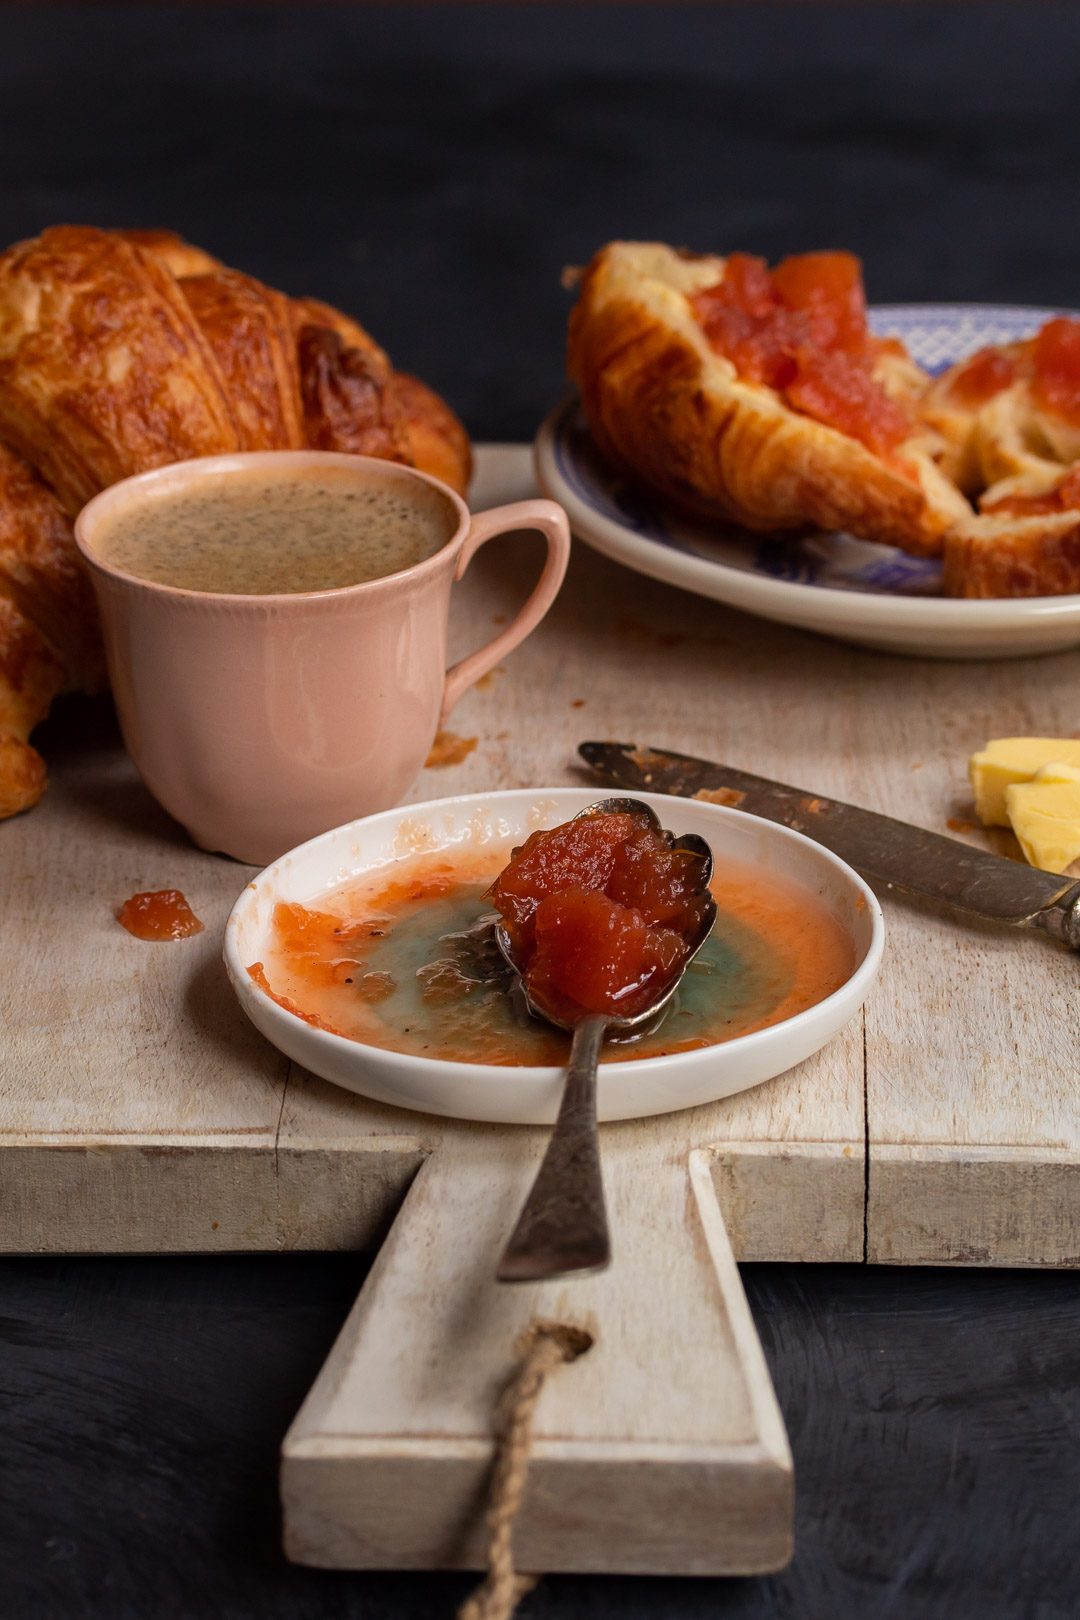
872 595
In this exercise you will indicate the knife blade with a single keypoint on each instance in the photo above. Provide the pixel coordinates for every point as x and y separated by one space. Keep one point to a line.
925 864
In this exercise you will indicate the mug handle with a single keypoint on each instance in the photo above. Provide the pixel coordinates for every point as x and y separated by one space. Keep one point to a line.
552 523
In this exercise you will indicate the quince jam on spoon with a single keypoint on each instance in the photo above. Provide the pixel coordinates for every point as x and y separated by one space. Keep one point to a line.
602 913
801 330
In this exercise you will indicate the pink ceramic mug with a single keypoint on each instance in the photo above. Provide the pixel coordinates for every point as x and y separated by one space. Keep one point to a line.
259 721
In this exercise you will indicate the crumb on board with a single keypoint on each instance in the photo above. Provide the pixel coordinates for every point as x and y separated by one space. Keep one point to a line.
449 749
721 795
577 703
644 758
813 807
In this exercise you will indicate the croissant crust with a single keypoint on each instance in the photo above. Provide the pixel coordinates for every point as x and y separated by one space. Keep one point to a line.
104 370
249 329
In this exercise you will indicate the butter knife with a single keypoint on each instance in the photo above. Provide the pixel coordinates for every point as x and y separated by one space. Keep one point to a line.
890 852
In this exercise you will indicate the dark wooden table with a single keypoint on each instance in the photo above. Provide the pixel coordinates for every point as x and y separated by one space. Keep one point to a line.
434 169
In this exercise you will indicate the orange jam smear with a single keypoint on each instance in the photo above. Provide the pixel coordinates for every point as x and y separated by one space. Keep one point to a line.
600 912
158 914
449 749
987 372
1050 362
377 961
801 329
1055 361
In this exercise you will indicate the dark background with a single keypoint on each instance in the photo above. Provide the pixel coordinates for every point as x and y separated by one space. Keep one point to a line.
433 169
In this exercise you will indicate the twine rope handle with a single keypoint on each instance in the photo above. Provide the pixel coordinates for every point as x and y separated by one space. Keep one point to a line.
543 1347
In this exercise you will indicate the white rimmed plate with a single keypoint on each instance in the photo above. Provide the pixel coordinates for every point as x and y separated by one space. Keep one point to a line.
523 1096
874 596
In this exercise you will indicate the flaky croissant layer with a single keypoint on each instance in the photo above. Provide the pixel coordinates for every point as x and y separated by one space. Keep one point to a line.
121 351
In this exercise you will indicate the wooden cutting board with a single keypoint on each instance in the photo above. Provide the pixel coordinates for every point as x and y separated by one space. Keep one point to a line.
139 1111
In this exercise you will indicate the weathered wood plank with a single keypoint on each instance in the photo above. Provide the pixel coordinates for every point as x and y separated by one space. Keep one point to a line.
661 1448
973 1102
112 1044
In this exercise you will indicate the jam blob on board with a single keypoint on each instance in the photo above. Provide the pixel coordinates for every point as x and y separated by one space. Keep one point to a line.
158 914
404 958
801 329
602 914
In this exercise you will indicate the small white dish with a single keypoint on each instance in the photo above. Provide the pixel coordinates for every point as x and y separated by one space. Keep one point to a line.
530 1096
874 596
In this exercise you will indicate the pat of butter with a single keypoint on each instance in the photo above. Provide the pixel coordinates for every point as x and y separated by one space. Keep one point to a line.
1008 760
1057 771
1045 816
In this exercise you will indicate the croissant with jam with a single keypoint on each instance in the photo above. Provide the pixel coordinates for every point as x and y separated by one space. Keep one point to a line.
757 396
124 350
761 396
1010 415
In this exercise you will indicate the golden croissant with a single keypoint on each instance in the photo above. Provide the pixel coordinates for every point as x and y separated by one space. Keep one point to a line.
761 397
124 350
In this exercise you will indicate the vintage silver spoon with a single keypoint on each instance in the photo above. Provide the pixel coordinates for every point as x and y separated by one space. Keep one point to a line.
563 1225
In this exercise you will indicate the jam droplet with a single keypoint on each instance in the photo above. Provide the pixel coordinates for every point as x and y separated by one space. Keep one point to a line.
159 914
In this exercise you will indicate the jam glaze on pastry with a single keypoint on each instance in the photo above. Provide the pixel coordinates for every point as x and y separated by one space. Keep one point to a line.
124 350
758 397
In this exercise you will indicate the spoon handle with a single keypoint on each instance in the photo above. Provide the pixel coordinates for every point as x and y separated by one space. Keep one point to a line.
563 1226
